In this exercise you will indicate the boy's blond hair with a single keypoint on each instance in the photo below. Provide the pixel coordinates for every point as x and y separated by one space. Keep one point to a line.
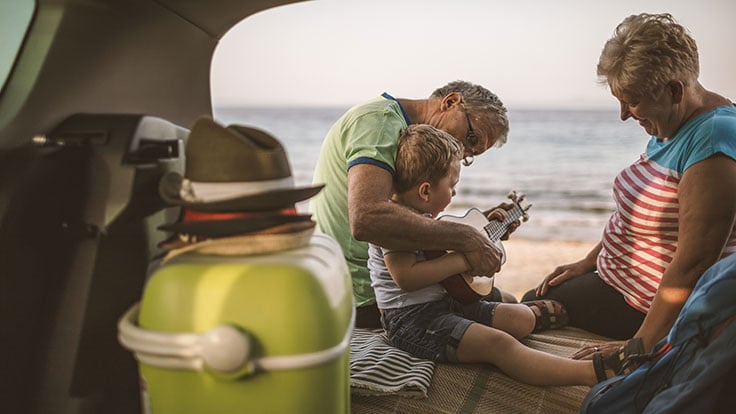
424 153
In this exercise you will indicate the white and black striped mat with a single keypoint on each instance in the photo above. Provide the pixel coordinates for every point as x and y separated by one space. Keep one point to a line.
378 368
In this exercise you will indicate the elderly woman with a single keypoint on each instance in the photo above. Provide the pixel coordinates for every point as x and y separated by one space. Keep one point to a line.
675 206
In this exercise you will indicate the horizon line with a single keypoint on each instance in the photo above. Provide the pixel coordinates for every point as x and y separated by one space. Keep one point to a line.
545 107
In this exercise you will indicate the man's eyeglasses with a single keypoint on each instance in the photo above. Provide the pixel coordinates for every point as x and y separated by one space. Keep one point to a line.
470 140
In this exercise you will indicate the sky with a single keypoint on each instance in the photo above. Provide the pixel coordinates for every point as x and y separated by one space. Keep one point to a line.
532 53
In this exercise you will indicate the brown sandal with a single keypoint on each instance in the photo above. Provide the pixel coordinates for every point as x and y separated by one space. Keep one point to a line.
549 314
622 362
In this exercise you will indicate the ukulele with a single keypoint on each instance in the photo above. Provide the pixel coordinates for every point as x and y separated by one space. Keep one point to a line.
468 289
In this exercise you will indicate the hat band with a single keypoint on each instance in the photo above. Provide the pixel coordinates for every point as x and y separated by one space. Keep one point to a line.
201 192
189 215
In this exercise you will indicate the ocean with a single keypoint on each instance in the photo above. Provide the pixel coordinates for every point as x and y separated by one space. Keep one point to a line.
564 161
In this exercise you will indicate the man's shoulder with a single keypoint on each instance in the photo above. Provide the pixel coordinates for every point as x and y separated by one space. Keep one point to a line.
378 106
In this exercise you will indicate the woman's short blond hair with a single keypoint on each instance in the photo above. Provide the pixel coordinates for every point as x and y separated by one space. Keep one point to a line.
645 53
424 153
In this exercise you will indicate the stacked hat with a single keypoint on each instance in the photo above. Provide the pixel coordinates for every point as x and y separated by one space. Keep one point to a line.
237 193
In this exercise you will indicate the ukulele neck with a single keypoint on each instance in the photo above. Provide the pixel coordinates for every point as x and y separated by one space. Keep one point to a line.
496 229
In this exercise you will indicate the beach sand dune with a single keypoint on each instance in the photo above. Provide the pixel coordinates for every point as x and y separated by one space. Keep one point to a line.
529 261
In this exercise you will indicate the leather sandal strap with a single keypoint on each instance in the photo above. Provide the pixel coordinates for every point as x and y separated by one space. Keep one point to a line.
599 367
628 357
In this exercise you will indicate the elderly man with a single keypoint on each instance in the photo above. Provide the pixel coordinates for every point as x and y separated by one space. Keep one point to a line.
357 164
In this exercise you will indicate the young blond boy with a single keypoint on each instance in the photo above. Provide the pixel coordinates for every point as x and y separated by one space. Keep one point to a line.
418 314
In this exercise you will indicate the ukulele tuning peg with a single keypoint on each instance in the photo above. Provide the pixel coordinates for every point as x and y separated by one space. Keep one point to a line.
516 197
525 218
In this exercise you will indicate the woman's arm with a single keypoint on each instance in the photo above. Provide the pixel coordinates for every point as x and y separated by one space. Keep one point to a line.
706 217
563 273
411 275
707 194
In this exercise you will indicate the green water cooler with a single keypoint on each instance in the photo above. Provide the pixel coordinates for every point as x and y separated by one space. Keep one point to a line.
245 334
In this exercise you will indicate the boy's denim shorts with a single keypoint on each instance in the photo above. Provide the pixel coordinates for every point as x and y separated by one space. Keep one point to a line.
433 330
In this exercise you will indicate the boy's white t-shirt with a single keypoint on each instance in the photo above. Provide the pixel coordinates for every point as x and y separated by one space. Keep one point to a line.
388 294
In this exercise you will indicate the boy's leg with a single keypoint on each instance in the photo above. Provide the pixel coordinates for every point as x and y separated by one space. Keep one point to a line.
516 319
498 295
483 344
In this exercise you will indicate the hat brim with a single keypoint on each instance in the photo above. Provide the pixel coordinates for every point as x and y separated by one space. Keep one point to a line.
230 227
245 245
171 182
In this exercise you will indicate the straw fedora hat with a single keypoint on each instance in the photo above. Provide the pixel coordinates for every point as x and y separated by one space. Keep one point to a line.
234 168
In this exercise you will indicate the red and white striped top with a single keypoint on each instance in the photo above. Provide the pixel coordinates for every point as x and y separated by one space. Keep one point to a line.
641 236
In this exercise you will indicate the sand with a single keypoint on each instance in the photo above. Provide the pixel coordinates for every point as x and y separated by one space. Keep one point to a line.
529 261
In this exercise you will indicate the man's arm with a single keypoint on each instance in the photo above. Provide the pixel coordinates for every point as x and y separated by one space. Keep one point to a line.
374 219
706 217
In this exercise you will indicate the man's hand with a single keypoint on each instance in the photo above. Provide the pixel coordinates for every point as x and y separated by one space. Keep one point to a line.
483 256
500 213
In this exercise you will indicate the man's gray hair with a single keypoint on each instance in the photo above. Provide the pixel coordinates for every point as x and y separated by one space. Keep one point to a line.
478 99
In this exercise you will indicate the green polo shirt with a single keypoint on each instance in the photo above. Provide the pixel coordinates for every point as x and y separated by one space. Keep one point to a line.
365 134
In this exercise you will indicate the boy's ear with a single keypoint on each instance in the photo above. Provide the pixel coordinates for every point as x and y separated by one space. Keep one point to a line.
423 190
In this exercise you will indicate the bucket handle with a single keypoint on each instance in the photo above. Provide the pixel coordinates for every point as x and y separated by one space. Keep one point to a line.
224 350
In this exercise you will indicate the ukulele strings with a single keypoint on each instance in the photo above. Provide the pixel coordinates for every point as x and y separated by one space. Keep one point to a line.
496 229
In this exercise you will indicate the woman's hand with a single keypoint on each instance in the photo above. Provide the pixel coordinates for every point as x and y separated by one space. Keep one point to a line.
563 273
604 348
